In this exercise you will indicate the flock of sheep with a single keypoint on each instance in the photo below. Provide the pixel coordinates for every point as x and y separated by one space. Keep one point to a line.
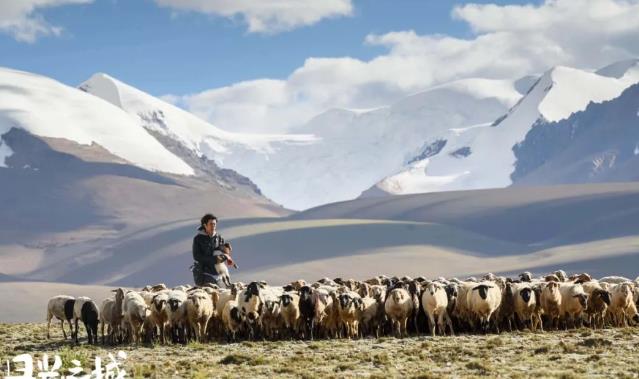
353 309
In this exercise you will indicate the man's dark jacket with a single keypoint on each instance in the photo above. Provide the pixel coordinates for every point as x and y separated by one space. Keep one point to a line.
207 251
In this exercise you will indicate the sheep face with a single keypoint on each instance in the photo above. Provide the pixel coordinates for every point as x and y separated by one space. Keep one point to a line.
344 301
175 304
483 290
159 302
605 296
397 296
286 299
525 294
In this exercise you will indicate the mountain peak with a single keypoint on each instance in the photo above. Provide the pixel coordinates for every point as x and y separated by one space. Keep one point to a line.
619 69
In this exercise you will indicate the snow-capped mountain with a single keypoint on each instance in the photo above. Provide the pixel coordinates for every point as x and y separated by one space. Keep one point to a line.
71 161
48 108
332 157
599 144
481 156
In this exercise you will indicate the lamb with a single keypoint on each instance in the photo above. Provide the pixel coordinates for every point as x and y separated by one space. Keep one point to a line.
598 303
574 300
111 315
398 307
135 310
435 304
199 309
61 307
483 300
222 267
551 303
86 310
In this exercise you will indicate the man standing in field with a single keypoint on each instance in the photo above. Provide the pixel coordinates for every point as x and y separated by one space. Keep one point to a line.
207 252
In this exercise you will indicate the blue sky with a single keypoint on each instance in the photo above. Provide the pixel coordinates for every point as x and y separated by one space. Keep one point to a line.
163 51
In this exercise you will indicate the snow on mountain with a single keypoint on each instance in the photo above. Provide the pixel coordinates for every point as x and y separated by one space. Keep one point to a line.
482 156
335 154
598 144
194 133
358 148
47 108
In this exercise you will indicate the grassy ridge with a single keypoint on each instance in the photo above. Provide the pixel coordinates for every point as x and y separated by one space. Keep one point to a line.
578 353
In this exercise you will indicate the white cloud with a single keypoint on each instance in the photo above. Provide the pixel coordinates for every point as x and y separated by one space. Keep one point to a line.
20 18
267 16
509 42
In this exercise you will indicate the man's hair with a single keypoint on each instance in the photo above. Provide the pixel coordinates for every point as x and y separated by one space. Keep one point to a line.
206 218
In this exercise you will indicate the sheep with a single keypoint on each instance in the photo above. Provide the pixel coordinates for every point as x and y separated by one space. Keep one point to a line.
61 307
551 303
349 306
621 299
232 319
86 310
598 303
111 316
271 318
324 315
369 318
290 312
159 317
307 311
574 300
435 304
483 300
176 314
250 303
525 303
506 313
199 309
135 311
222 267
398 307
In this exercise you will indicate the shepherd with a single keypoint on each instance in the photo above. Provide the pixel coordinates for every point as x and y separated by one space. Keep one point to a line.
208 251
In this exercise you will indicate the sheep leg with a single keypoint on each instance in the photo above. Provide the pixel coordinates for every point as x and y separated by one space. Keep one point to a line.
431 323
64 333
75 333
450 325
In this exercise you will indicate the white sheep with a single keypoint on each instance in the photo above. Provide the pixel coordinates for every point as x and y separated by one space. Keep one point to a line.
135 311
176 314
551 303
525 303
483 300
435 304
61 307
199 309
574 300
398 307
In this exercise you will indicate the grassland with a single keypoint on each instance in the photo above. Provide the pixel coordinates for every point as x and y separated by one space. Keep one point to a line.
573 354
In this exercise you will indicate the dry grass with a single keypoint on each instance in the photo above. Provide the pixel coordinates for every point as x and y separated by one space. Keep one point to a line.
579 353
